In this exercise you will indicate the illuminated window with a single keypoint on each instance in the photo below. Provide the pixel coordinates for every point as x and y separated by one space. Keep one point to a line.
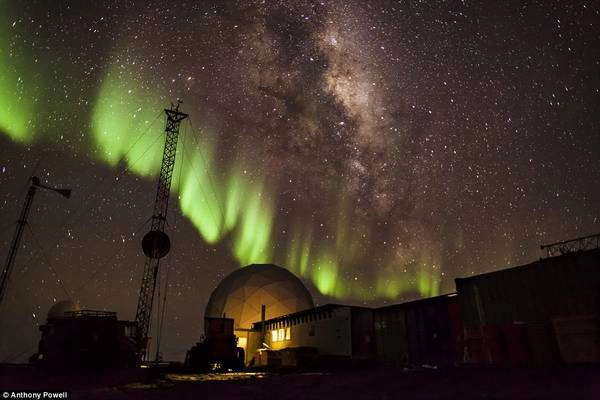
281 334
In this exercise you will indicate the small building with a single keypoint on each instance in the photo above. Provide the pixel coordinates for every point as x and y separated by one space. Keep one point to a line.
246 292
86 338
330 332
421 332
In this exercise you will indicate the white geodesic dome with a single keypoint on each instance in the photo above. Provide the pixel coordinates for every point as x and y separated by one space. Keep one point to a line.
242 293
58 310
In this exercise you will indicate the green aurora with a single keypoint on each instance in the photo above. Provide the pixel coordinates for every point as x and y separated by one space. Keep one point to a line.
122 114
17 86
231 205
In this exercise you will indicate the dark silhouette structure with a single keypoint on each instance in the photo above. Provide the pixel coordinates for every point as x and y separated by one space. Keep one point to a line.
156 243
87 339
12 253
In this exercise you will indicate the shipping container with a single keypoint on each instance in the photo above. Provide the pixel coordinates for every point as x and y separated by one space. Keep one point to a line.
543 344
422 332
493 345
391 336
472 347
578 339
361 326
524 314
517 344
550 288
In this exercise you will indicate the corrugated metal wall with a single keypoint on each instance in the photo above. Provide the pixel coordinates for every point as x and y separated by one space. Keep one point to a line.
420 332
391 336
431 340
538 292
362 333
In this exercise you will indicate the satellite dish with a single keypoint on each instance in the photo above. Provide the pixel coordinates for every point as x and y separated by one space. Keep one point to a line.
156 244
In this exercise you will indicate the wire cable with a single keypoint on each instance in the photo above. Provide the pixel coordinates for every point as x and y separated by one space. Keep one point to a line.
47 260
157 314
97 188
131 165
80 211
210 180
89 283
201 188
161 316
222 232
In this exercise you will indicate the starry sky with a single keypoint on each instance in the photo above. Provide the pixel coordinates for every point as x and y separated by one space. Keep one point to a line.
377 149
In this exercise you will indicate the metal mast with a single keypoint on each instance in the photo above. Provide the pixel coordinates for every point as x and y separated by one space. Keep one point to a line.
12 253
156 243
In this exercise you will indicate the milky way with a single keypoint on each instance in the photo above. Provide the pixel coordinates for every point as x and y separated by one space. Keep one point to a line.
376 149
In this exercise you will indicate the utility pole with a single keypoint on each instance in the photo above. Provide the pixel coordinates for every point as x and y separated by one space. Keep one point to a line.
12 253
156 243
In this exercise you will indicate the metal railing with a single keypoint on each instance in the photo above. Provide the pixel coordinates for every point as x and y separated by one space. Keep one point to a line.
90 313
570 246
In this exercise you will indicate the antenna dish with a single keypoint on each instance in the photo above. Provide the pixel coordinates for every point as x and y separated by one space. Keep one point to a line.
156 244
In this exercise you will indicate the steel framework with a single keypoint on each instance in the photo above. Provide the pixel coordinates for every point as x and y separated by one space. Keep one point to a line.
570 246
156 243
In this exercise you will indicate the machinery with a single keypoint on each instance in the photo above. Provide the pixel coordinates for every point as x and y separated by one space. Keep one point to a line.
218 350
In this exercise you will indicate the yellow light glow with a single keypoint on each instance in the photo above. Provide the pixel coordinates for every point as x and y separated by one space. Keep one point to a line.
281 334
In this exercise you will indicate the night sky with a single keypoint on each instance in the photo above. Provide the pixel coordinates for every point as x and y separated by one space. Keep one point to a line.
376 149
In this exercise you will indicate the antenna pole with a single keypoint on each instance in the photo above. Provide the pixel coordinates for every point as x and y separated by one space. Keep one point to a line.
156 243
12 253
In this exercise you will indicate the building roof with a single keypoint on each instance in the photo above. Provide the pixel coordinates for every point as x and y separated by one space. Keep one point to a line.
417 302
537 264
310 311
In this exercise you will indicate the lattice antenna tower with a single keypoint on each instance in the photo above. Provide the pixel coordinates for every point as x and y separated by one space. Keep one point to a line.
156 243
